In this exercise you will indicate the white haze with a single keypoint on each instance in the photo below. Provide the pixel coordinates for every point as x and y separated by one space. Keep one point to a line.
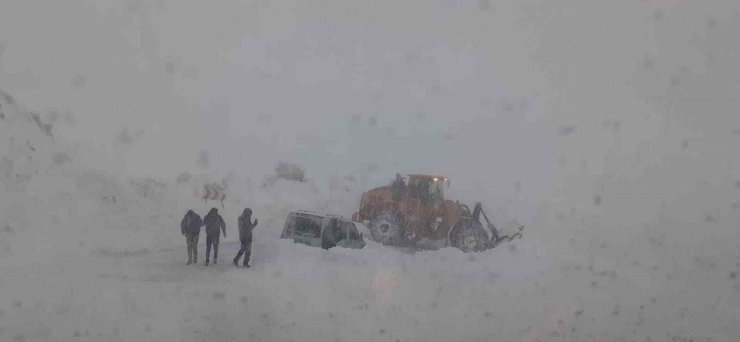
610 128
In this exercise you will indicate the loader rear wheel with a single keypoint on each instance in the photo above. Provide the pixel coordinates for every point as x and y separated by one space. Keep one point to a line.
469 236
386 228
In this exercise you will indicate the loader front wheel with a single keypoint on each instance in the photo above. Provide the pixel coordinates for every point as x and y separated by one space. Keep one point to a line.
469 236
386 228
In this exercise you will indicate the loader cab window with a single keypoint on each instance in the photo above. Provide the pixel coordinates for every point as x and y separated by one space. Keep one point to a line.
398 186
437 190
429 190
416 187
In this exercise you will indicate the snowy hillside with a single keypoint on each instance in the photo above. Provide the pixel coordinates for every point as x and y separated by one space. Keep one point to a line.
80 210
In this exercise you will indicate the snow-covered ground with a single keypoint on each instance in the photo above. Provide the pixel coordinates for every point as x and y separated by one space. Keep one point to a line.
91 256
609 128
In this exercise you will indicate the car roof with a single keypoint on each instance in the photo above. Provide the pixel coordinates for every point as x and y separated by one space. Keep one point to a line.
305 213
317 215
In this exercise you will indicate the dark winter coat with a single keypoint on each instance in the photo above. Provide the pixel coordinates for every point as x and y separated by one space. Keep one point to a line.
214 223
246 225
191 223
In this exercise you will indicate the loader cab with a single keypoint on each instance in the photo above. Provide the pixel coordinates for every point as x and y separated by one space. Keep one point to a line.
428 188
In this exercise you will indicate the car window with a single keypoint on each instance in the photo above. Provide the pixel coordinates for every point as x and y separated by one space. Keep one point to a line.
352 229
338 231
308 227
289 225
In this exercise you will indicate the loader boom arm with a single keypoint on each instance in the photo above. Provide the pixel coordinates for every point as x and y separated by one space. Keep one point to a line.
477 211
495 237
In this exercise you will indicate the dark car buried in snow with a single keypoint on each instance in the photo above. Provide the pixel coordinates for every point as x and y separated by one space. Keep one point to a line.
325 231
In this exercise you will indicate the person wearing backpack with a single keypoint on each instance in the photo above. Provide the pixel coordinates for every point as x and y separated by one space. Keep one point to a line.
190 228
214 226
245 236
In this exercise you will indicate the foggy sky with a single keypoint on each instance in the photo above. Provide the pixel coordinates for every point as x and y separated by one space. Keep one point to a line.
509 98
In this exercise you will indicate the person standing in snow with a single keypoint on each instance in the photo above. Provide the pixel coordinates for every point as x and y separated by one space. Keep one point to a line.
190 228
245 236
214 225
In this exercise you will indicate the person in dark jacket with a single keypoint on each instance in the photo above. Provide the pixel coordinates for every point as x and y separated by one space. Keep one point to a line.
190 228
245 236
214 225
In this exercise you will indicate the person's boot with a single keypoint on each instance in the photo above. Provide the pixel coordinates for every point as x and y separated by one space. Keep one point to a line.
215 261
236 262
189 262
206 262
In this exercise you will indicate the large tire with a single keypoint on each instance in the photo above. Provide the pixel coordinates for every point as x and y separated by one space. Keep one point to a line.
386 228
469 236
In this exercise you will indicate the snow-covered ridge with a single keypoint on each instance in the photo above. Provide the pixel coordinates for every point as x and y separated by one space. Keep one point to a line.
52 205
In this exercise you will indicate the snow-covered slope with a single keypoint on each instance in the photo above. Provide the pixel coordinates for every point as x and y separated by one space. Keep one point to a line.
51 205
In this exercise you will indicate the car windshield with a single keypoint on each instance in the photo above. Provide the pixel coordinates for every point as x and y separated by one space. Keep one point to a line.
308 226
337 230
352 229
